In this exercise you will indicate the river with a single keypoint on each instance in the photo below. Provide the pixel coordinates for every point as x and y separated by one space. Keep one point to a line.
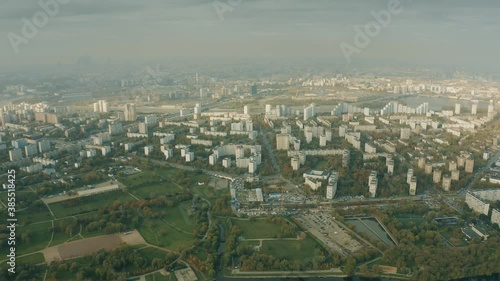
438 103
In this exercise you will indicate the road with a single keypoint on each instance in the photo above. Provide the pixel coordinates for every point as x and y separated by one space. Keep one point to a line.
479 174
269 149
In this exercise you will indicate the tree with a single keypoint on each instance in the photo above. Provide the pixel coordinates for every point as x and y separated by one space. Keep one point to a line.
350 266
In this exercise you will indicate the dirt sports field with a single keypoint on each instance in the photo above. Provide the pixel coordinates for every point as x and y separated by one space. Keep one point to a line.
89 246
388 269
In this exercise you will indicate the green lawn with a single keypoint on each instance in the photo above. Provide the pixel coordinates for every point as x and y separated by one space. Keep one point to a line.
137 179
179 217
31 259
39 236
30 215
153 190
405 219
161 234
59 238
290 249
259 228
29 207
249 243
182 177
151 253
151 184
88 203
158 277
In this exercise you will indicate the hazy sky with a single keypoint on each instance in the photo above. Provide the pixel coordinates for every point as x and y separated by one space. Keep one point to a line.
450 32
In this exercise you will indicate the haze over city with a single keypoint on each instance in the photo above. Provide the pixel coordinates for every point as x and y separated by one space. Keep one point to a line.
445 33
230 140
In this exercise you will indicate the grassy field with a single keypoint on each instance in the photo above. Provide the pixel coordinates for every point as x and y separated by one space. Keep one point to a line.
158 277
290 249
30 215
183 178
179 217
29 207
154 190
249 243
151 184
259 228
159 233
31 259
88 203
61 237
137 179
151 253
39 236
405 219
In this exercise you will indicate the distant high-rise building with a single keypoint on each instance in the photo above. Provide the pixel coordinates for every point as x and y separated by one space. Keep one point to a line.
148 149
295 163
309 111
151 120
405 133
461 161
436 176
342 131
390 167
421 163
30 150
457 108
130 113
226 162
253 89
15 154
45 117
491 108
469 165
322 140
331 188
409 175
446 182
43 146
245 110
101 106
428 168
474 108
372 184
143 128
282 141
269 109
249 125
20 143
346 158
452 166
115 128
413 185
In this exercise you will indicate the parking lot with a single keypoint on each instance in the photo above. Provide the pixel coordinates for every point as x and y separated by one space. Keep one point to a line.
324 227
